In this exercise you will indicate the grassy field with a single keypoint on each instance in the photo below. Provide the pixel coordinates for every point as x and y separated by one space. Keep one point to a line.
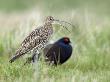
90 61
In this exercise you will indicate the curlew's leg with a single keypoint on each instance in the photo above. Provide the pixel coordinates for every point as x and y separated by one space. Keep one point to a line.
35 56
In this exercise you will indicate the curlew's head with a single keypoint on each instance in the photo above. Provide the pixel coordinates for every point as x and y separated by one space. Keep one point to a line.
50 20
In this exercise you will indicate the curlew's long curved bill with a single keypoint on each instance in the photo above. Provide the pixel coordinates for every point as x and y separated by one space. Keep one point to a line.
60 23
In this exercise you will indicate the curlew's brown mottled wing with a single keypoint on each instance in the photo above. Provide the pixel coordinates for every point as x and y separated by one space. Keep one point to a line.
34 34
28 44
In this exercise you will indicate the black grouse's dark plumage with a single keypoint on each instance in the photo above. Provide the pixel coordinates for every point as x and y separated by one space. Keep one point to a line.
59 52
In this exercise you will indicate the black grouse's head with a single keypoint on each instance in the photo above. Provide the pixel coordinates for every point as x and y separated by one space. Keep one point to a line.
64 40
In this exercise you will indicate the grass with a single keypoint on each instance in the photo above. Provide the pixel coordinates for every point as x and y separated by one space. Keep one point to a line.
90 39
89 62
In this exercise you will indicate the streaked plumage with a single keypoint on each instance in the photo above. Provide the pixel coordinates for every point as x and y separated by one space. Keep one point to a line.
36 40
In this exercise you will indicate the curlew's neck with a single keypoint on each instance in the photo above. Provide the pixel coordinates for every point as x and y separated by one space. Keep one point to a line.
48 28
48 25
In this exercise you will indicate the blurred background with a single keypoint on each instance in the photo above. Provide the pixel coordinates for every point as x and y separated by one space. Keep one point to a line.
90 39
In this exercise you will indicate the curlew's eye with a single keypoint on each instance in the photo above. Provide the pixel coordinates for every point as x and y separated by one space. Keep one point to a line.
50 18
